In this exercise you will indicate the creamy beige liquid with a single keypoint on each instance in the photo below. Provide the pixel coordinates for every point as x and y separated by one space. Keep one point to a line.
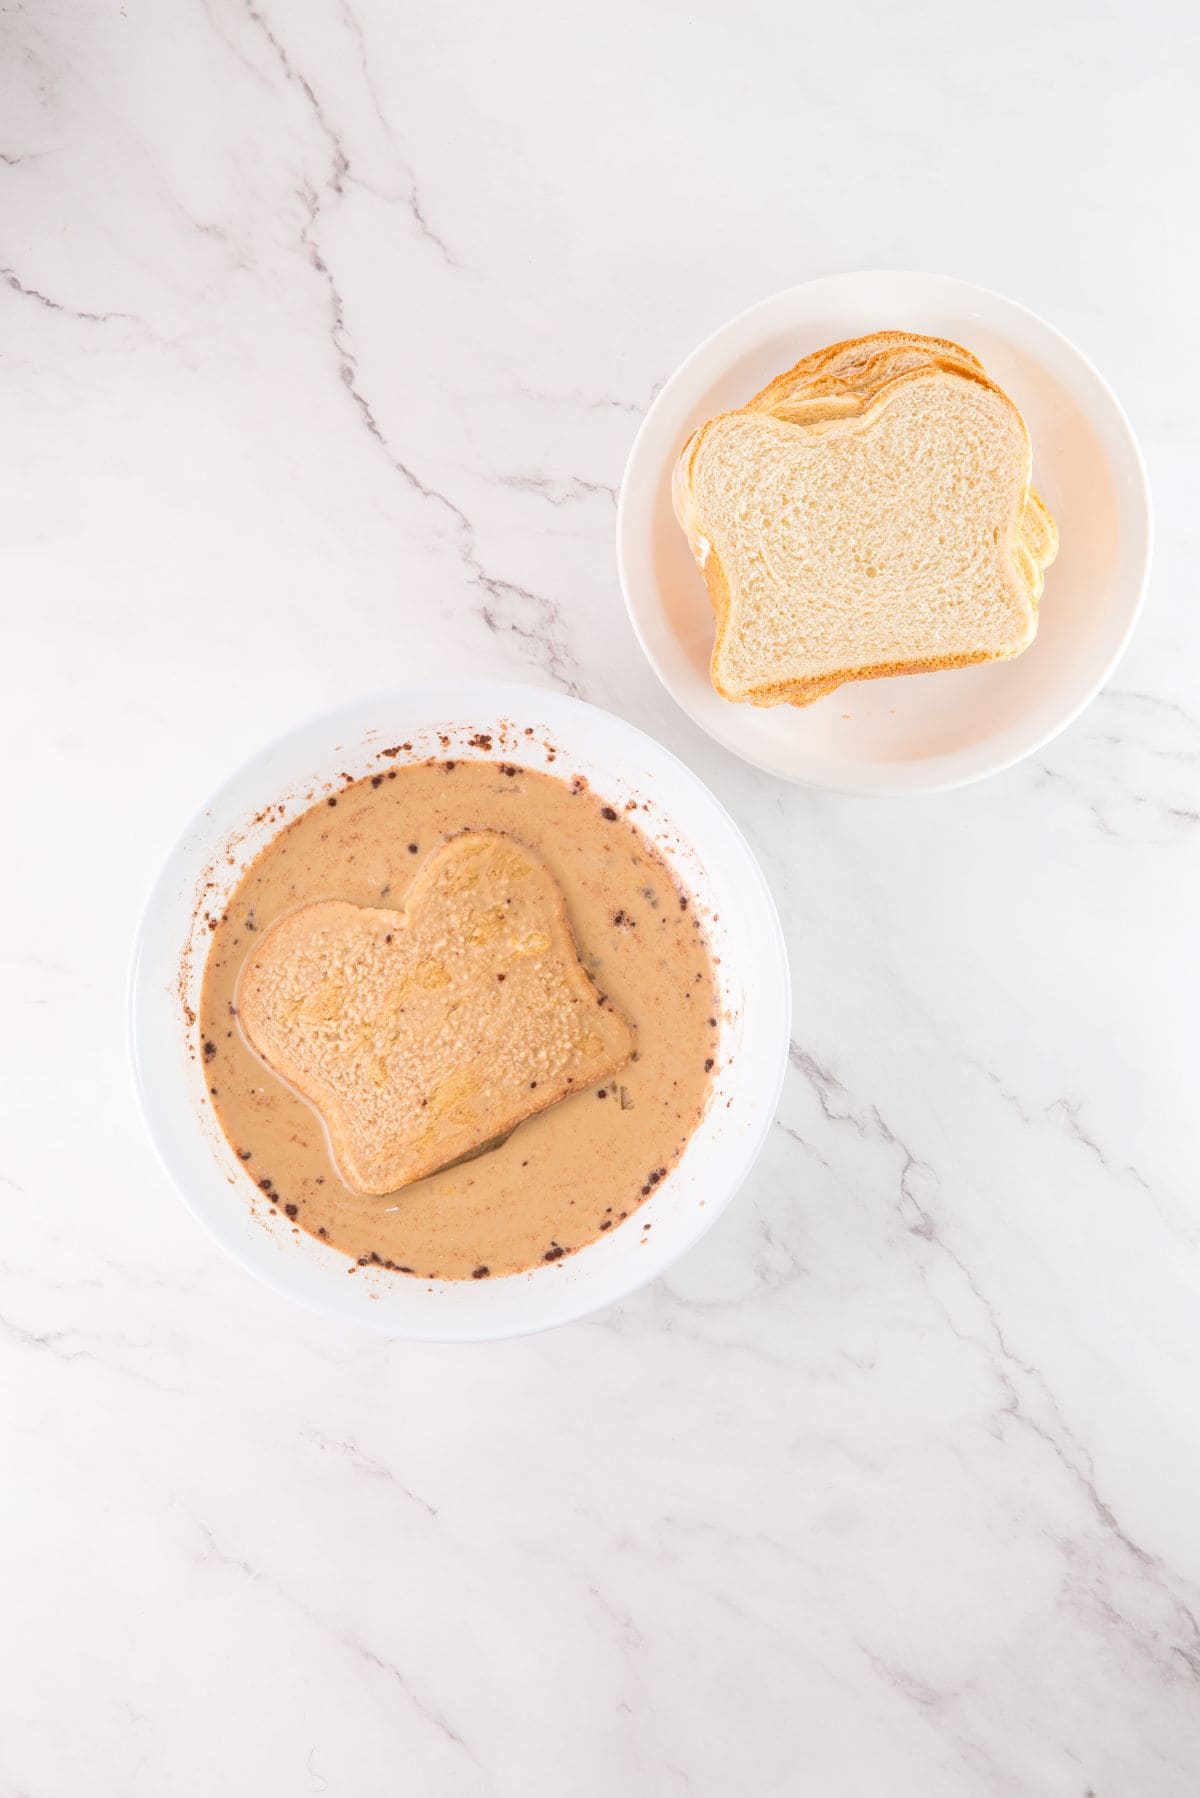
562 1178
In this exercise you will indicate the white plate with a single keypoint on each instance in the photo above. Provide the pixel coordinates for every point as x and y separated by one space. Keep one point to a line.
922 733
691 830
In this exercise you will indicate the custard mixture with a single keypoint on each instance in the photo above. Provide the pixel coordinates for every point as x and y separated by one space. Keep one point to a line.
562 1178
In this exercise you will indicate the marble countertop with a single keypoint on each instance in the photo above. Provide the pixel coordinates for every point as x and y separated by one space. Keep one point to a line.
325 331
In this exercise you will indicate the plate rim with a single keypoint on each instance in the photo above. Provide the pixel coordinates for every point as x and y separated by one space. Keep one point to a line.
911 785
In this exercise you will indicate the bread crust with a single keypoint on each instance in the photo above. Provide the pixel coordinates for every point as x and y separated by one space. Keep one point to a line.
821 389
856 350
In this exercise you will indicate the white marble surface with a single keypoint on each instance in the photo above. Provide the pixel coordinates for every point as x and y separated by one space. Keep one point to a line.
325 329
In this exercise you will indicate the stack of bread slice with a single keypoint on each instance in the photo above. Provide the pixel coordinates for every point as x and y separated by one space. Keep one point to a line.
869 513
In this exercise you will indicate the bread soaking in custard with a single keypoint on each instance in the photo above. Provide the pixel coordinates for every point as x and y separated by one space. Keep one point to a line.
459 1019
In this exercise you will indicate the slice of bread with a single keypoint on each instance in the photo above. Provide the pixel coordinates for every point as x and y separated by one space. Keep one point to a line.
868 513
423 1034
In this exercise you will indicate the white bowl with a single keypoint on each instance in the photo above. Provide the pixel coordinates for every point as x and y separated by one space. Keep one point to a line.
919 733
691 830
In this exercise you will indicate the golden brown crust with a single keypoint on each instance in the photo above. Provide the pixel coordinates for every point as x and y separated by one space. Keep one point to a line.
799 693
838 396
814 367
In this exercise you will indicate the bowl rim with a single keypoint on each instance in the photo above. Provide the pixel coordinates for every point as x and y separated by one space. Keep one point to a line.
142 990
870 784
